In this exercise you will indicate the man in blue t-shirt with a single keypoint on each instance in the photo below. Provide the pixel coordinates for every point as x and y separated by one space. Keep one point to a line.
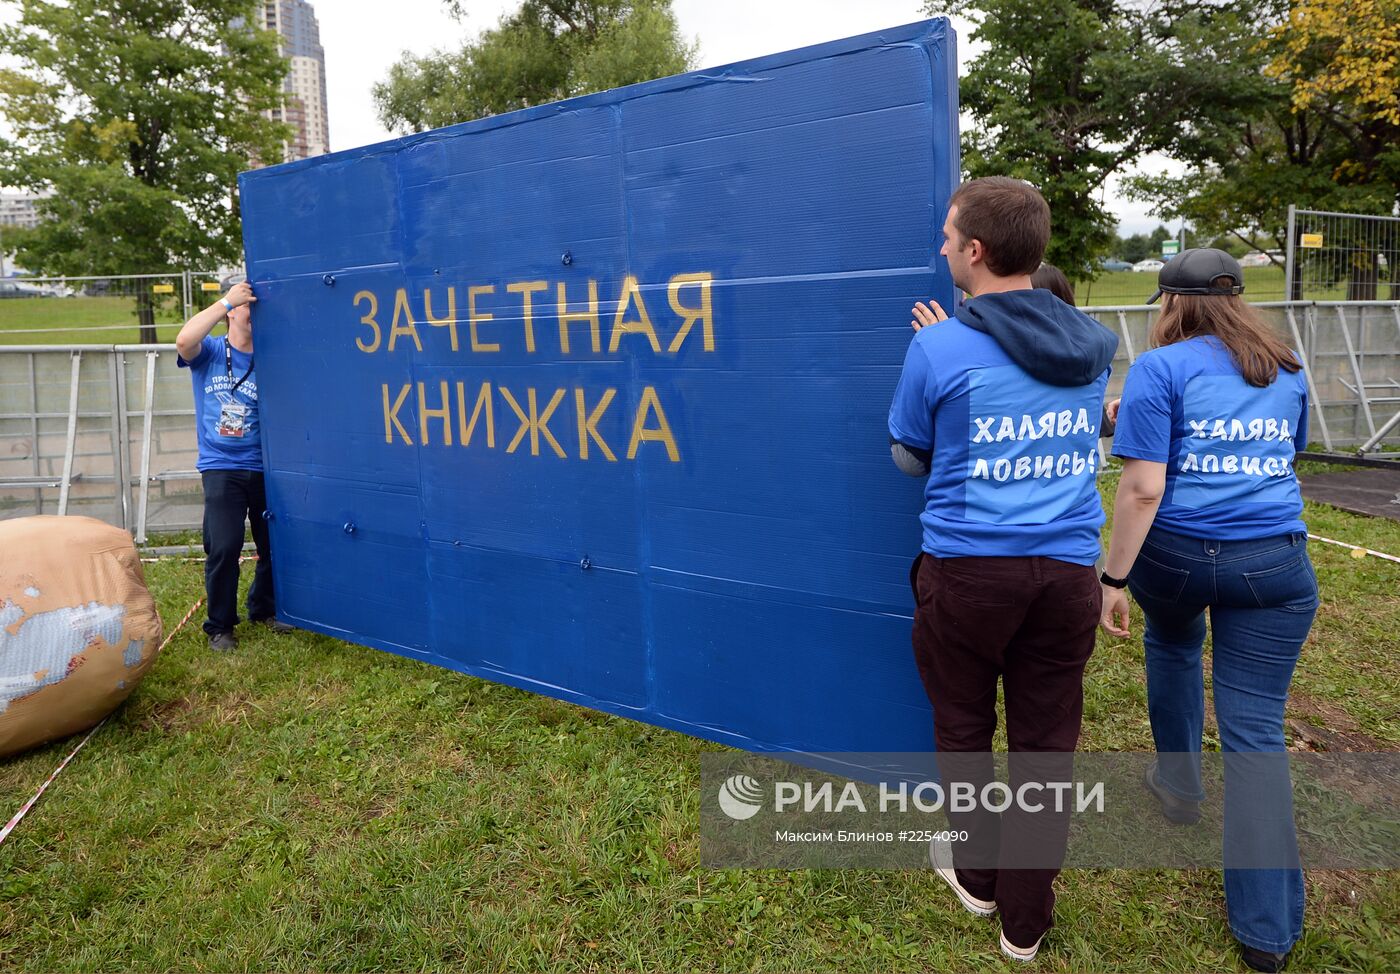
999 407
230 462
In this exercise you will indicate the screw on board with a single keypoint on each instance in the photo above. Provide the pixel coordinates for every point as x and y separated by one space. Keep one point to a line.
267 515
568 257
349 527
584 563
328 280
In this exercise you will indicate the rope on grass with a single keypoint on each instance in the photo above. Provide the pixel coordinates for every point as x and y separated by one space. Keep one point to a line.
1356 550
188 616
241 560
24 809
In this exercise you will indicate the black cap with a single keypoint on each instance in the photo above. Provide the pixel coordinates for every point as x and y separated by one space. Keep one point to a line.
1195 271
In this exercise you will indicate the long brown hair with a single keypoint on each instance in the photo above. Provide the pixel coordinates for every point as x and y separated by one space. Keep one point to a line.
1257 351
1048 277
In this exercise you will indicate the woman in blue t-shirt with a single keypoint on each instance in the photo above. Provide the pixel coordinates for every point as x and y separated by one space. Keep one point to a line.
1208 518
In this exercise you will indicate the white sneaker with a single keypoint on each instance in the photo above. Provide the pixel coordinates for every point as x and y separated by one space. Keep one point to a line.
940 857
1023 954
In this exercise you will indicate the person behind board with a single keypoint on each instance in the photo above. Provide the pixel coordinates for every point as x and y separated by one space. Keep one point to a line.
230 462
1050 278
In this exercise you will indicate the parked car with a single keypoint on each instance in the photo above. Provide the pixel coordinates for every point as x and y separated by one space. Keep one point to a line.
1150 265
1258 258
98 288
19 289
1114 264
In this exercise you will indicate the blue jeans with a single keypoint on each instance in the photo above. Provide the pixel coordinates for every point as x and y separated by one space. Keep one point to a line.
1262 596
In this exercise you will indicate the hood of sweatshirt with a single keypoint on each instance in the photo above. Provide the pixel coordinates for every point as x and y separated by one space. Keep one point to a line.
1055 343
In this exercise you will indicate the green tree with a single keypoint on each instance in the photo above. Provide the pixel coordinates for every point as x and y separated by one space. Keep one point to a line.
1069 92
1316 131
137 115
1141 246
1231 244
545 51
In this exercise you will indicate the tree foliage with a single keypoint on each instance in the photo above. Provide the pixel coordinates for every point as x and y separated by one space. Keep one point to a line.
136 115
1342 51
1141 246
545 51
1339 60
1322 132
1069 92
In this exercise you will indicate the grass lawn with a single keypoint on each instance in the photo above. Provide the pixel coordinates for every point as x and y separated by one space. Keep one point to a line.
80 321
305 804
1128 287
1260 284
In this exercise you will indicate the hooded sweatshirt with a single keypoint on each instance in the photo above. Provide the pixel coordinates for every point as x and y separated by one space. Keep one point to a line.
1006 399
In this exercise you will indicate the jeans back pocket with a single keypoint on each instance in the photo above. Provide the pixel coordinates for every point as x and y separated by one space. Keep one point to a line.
1291 585
1157 581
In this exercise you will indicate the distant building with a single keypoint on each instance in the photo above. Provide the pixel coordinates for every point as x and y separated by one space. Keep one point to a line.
17 209
304 101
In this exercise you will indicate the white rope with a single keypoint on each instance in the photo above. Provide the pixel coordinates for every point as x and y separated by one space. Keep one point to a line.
1356 550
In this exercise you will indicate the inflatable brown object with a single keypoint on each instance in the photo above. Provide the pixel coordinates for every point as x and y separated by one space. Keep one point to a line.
78 628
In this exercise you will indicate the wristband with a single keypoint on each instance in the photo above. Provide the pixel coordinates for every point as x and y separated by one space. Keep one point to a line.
1112 582
224 302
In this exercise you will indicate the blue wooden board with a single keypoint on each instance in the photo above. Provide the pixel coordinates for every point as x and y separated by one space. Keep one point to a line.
590 398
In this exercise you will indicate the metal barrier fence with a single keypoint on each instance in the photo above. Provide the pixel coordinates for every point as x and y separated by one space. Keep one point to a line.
1342 256
1351 354
98 307
101 430
108 431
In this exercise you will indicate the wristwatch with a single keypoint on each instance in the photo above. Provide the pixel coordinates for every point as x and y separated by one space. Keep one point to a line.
1112 582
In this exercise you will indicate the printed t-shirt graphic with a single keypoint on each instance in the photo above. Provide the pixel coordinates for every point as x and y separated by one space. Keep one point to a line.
1228 446
1013 457
226 407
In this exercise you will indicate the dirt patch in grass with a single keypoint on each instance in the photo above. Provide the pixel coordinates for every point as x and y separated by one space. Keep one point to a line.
170 715
1311 724
1340 888
1319 725
190 712
232 709
378 808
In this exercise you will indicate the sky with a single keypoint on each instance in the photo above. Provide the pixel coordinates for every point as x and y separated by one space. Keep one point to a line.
361 42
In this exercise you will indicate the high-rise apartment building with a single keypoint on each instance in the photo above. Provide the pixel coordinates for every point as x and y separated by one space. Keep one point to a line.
304 101
17 209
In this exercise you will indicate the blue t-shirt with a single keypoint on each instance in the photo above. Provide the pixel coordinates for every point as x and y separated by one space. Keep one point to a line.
1012 472
226 419
1228 445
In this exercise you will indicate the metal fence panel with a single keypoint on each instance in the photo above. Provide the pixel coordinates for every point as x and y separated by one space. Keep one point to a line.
1342 256
80 449
1351 350
1346 346
101 309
